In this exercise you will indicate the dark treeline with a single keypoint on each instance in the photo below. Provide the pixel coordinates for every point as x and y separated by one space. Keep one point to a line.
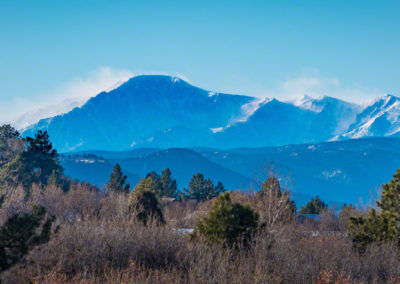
56 230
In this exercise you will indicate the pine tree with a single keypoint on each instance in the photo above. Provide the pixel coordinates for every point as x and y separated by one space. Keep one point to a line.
379 227
165 184
169 187
314 206
228 223
219 189
117 182
147 184
201 189
41 157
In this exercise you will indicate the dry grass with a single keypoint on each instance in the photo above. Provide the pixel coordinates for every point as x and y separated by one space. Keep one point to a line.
99 242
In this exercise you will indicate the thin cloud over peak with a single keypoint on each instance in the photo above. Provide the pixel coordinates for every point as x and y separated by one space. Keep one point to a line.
23 111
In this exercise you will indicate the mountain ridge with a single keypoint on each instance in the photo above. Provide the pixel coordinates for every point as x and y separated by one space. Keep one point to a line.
342 171
163 112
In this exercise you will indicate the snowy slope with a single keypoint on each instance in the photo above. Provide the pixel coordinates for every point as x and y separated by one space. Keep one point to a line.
380 118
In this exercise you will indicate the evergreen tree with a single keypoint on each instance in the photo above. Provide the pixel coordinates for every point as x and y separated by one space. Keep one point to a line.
228 223
169 187
166 185
314 206
379 227
147 184
117 182
202 189
42 158
19 235
219 189
35 165
154 176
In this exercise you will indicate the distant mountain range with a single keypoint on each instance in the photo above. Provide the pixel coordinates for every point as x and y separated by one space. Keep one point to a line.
341 171
164 112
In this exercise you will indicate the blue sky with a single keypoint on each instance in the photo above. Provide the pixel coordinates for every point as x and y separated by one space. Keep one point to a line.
53 50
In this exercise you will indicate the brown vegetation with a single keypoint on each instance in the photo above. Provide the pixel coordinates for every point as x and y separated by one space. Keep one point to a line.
99 241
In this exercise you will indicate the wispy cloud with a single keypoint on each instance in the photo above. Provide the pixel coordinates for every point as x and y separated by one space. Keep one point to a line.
97 81
23 111
312 83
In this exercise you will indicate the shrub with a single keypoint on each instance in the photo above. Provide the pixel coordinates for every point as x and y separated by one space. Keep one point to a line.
19 235
144 205
228 222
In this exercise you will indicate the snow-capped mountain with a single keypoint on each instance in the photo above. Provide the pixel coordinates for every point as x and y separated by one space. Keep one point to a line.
306 102
139 109
380 118
164 111
277 123
342 112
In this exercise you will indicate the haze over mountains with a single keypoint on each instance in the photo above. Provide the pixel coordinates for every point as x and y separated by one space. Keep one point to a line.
165 112
340 171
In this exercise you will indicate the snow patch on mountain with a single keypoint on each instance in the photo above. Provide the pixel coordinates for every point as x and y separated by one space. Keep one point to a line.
307 102
379 118
249 109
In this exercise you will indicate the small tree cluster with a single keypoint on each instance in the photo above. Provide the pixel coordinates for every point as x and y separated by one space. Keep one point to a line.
165 185
201 189
36 164
314 206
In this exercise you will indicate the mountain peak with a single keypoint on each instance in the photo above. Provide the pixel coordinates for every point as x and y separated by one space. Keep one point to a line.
155 79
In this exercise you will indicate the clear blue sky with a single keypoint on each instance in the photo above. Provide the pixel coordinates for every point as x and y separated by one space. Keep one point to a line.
258 48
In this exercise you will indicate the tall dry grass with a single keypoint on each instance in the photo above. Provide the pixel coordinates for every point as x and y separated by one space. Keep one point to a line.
98 241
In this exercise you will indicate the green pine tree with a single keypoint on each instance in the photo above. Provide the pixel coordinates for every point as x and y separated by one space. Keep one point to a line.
147 184
384 226
314 206
228 223
169 187
42 158
35 165
201 189
117 182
